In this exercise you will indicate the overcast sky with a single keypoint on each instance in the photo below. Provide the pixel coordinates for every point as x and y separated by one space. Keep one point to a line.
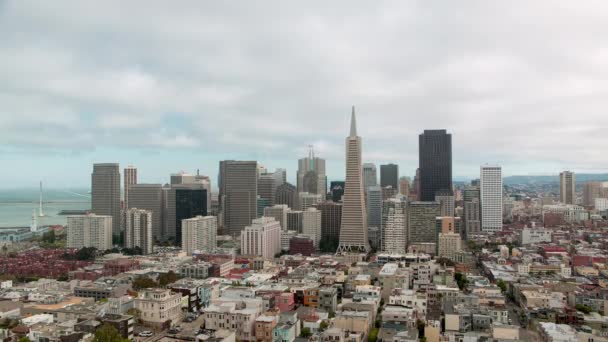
170 86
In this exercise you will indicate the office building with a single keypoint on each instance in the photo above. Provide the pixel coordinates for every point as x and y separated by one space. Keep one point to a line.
389 192
287 194
89 231
199 234
149 197
129 178
421 218
374 206
446 202
261 238
105 193
415 194
404 186
448 224
183 201
448 245
567 184
435 163
238 194
331 218
262 204
279 213
307 200
353 230
186 178
336 189
294 221
490 185
311 225
394 226
267 186
591 191
370 177
138 230
472 211
389 176
311 174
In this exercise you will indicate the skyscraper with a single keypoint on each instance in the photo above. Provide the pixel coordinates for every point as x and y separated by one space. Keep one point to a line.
307 200
472 211
394 226
267 186
374 206
591 191
404 186
337 190
567 184
491 198
287 194
389 175
446 202
105 193
311 174
183 201
261 238
370 176
149 197
435 159
353 231
138 230
279 212
130 178
238 194
186 178
331 218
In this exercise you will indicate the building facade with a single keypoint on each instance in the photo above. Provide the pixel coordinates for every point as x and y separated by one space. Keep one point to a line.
567 184
491 198
311 225
105 193
149 197
262 238
374 206
199 234
435 163
238 194
394 226
90 231
389 175
138 230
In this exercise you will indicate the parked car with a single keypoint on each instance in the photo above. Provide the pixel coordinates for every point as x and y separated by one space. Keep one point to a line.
146 333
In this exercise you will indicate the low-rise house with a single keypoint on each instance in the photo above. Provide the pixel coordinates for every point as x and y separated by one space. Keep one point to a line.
159 307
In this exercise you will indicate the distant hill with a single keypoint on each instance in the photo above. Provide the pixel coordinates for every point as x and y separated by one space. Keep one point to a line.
580 178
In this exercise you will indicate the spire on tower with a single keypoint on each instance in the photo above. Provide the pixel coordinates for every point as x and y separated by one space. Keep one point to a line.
353 124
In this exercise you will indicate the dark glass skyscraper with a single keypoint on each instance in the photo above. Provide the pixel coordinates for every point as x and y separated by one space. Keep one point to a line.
188 204
435 163
337 190
389 176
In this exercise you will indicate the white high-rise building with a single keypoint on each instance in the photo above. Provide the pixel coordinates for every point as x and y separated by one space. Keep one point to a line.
394 226
90 231
490 184
261 238
138 230
199 234
311 225
308 200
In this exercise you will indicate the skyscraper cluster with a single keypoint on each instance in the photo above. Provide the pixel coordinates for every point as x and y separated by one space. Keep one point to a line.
366 211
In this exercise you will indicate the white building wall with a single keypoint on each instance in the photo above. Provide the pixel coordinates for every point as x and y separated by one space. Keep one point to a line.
491 198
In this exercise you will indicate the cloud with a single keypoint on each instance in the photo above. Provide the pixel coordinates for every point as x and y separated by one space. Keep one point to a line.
521 84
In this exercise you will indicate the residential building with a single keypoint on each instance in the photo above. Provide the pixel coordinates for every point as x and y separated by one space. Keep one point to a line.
148 197
422 222
89 231
491 198
199 234
394 226
138 230
262 238
301 244
567 184
233 315
449 245
472 211
531 236
446 202
158 306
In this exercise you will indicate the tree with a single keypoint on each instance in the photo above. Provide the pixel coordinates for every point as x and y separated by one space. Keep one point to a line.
461 280
420 326
305 332
23 339
503 286
167 278
108 333
583 308
143 282
373 335
323 325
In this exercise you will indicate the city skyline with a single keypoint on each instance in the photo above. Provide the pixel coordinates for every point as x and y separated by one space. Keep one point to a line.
156 106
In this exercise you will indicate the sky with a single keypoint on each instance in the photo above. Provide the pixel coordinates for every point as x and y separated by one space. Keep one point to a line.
169 86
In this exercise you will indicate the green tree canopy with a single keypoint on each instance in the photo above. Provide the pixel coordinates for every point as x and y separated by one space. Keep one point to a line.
108 333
